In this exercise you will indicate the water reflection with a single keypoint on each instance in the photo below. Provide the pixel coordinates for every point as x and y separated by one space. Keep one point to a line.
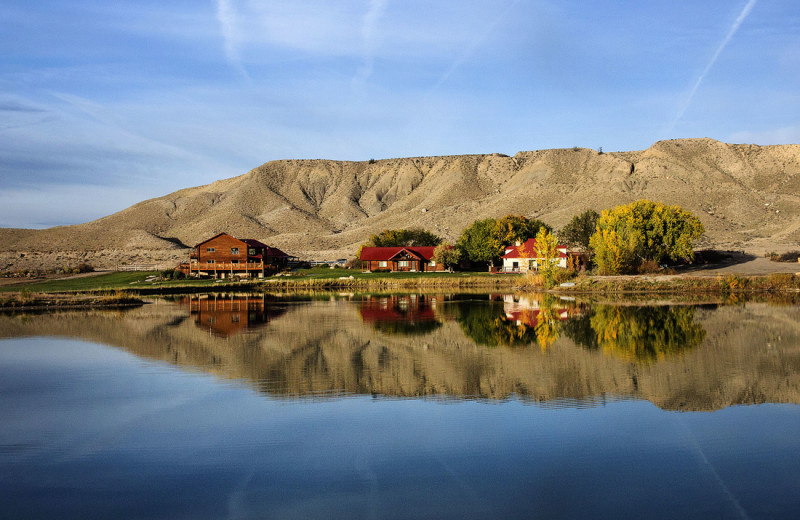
514 320
226 315
401 314
535 347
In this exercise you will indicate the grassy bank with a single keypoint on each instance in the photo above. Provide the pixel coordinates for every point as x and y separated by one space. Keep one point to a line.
728 284
341 279
317 278
26 300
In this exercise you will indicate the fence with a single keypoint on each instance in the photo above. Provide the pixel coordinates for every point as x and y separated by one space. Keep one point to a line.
141 267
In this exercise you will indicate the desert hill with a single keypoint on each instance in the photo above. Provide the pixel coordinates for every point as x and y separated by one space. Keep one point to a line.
746 195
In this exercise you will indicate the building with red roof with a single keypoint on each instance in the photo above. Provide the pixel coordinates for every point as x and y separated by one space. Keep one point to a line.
521 258
224 256
401 258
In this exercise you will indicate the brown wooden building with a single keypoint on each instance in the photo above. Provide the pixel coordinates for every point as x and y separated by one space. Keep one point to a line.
394 259
225 256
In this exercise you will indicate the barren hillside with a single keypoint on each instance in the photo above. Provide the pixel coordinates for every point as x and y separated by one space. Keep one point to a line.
747 197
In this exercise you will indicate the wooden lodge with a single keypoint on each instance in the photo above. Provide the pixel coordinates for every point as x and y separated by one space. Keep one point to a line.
225 256
399 259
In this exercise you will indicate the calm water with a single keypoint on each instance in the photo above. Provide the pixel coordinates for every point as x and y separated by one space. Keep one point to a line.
423 406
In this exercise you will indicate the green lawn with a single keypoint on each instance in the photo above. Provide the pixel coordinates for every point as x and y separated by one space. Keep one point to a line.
326 273
137 280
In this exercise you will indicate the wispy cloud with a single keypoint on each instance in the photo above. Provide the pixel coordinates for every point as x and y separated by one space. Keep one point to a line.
368 33
470 50
226 15
731 32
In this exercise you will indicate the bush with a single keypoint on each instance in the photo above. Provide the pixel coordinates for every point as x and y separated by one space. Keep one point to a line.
84 268
649 267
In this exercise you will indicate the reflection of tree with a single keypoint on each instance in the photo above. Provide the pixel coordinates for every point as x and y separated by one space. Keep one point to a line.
406 327
535 318
638 333
486 324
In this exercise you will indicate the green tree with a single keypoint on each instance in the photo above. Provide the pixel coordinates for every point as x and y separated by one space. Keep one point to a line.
484 241
580 229
404 238
447 255
479 243
631 234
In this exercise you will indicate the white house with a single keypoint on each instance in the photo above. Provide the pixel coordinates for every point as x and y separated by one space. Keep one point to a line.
521 258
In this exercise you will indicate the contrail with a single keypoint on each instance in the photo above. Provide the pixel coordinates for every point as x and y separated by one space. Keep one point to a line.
227 21
739 20
368 31
467 52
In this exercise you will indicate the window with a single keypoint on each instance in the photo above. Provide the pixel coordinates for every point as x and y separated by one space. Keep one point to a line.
251 251
234 261
234 250
209 261
382 263
433 263
210 250
403 263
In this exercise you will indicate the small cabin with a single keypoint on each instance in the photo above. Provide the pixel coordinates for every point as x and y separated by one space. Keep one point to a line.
399 259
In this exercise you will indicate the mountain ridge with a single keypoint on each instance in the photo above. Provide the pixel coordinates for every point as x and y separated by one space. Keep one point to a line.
746 195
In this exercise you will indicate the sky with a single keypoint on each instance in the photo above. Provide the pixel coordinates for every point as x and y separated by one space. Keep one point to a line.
106 103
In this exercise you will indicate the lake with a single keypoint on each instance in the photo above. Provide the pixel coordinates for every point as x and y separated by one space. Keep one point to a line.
402 406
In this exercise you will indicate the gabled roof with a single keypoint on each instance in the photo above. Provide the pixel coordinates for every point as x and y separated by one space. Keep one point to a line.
529 250
388 253
217 236
253 242
250 242
275 252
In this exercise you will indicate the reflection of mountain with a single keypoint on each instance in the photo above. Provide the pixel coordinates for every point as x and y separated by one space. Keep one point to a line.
225 315
750 354
401 314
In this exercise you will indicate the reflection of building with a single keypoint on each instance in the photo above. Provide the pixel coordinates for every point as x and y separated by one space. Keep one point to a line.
224 256
229 315
528 311
406 308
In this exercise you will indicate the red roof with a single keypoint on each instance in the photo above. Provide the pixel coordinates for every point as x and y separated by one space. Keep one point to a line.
387 253
253 242
529 250
274 251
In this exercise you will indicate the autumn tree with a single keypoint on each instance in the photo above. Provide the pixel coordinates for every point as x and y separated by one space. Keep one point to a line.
547 253
631 234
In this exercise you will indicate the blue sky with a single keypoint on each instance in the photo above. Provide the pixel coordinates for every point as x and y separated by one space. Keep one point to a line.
106 103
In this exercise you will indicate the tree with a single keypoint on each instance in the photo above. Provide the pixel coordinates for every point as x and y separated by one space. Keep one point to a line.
479 242
580 229
413 237
631 234
447 255
516 227
484 240
547 252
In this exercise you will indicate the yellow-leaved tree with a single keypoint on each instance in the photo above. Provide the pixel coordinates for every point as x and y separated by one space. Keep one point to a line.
628 235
